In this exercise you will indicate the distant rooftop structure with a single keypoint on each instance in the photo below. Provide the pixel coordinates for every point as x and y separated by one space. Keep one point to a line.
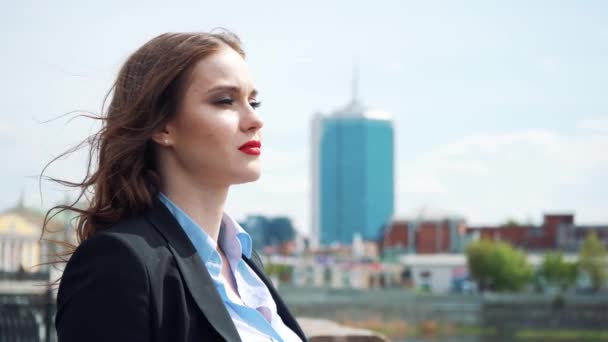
26 222
428 214
355 108
21 220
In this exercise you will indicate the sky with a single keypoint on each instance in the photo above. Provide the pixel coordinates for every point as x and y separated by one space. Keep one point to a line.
500 108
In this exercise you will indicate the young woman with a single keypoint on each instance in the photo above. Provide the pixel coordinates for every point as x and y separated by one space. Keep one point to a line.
159 260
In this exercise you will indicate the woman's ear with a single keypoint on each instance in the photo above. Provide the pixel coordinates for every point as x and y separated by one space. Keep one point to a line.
163 136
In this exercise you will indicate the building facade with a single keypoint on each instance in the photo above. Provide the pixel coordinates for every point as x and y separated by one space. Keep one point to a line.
23 246
352 175
557 231
425 231
436 233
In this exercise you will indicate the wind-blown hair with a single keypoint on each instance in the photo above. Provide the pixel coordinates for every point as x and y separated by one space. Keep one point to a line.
122 178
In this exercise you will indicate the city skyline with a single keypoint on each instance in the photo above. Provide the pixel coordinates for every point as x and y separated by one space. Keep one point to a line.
499 109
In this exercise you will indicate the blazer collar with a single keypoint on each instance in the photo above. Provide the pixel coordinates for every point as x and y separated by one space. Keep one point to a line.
193 271
199 281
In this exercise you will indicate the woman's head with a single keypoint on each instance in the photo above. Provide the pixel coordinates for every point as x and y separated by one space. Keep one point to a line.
211 141
182 105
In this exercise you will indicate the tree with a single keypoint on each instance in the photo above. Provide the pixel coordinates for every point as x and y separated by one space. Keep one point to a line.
497 266
557 271
479 263
592 260
511 222
284 273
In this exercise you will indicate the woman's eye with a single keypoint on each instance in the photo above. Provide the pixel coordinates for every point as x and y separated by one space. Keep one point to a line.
228 102
225 101
255 104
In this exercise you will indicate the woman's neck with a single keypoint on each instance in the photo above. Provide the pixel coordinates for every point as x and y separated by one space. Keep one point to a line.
204 203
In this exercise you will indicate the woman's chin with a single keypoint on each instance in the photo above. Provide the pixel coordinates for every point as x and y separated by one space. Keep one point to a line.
251 176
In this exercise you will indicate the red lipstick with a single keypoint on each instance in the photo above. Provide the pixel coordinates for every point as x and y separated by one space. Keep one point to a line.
251 147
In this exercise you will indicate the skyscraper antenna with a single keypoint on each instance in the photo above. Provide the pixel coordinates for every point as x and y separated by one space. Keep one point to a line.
355 83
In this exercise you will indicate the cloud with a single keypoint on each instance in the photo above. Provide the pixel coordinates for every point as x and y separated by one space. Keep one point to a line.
520 174
423 184
596 124
469 167
492 143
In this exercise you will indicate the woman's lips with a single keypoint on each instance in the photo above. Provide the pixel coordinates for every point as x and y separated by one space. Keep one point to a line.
252 147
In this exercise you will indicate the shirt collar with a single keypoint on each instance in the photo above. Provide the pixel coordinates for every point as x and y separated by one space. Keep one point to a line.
232 231
233 239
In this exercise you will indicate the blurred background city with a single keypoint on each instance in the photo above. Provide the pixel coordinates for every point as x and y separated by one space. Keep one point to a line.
432 170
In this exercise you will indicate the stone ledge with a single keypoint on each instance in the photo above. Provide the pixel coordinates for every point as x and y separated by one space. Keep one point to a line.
322 330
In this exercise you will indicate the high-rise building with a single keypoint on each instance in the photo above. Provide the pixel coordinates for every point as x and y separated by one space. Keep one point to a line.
352 175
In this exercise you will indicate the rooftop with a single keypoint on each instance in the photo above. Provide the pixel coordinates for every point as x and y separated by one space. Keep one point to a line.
427 214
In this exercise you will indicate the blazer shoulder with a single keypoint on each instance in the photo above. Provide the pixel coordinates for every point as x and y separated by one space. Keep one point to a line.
127 244
103 254
136 232
105 272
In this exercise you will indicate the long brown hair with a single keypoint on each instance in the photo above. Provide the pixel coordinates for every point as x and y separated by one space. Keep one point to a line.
121 178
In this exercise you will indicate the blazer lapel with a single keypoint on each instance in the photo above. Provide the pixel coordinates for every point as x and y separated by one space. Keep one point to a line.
255 264
193 271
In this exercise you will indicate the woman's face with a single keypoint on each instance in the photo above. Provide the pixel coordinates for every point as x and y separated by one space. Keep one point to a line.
215 136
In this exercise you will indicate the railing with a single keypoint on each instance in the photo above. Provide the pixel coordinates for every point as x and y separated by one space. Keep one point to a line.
24 276
27 318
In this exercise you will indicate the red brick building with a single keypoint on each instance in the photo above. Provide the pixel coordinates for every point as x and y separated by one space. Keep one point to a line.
426 234
553 233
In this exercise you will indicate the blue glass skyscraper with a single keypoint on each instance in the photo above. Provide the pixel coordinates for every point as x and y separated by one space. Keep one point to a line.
353 175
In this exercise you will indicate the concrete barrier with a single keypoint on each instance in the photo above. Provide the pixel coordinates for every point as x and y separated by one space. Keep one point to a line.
322 330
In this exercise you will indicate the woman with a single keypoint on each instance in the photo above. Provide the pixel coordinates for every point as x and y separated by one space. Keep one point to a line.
159 260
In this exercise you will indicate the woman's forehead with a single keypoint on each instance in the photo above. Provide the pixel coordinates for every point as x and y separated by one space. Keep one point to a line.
223 69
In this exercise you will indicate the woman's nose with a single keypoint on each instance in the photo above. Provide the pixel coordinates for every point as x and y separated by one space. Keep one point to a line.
251 120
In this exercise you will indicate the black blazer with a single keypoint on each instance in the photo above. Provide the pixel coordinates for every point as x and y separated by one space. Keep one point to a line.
142 280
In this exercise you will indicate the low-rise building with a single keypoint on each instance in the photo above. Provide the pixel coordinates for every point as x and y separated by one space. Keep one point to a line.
443 273
355 275
424 231
23 247
557 232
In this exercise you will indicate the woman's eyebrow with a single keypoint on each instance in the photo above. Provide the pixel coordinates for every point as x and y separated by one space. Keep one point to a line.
231 89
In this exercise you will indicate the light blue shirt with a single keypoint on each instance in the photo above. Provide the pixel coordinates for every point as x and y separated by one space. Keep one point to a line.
255 313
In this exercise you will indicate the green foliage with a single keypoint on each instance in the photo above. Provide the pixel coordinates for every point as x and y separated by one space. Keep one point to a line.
561 335
592 260
497 266
511 222
557 271
283 272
